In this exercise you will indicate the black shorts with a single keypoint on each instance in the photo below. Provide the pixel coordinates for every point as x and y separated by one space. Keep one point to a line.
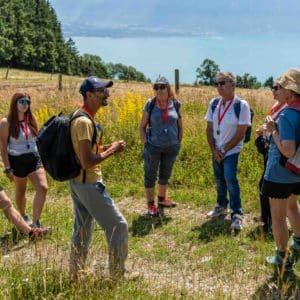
279 190
25 164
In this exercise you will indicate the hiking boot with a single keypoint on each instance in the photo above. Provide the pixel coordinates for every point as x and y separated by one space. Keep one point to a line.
282 264
27 219
217 211
36 224
237 222
167 203
152 211
38 233
295 250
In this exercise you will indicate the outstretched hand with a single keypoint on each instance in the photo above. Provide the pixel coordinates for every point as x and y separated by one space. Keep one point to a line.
118 146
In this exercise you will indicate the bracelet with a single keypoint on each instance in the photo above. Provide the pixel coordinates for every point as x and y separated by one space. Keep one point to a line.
7 170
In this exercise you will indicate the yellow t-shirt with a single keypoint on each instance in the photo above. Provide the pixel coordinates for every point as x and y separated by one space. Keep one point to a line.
82 128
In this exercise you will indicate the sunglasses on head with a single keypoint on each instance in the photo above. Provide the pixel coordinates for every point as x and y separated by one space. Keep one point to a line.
24 101
276 87
222 82
159 87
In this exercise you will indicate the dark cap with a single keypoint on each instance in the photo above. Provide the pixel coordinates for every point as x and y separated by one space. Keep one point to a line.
91 83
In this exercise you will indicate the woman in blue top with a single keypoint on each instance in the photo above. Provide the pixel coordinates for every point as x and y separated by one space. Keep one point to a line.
161 134
280 184
262 145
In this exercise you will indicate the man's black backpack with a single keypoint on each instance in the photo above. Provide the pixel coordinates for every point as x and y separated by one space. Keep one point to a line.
56 149
237 110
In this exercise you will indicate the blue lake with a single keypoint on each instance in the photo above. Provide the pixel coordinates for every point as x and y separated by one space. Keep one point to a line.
260 55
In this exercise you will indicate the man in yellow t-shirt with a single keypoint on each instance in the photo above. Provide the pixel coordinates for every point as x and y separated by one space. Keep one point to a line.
90 198
83 129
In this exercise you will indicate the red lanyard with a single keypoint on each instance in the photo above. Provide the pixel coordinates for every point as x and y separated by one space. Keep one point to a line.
164 113
25 128
276 110
90 113
221 116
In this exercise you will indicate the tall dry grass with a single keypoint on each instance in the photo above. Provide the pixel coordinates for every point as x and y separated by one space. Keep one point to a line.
183 255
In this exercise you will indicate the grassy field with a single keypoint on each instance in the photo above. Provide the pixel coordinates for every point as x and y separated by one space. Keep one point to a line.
183 255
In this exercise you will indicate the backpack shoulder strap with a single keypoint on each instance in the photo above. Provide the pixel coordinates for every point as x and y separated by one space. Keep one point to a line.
79 113
237 107
177 107
151 106
215 104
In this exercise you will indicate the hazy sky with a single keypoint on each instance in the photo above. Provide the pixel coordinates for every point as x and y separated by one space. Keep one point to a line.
207 16
261 35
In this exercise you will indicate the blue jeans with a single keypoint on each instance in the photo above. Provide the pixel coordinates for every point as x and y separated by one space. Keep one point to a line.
158 158
225 174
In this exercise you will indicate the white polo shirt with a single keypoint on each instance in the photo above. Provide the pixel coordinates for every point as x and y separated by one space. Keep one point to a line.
224 132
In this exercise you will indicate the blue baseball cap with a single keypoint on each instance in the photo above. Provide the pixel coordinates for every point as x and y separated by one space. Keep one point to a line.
92 82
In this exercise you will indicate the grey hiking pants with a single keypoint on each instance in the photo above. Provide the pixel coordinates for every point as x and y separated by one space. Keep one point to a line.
91 201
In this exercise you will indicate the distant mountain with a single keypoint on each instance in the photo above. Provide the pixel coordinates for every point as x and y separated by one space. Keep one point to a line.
176 17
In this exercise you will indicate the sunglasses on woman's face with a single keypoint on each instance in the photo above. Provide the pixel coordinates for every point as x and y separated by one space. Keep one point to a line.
24 101
159 87
276 87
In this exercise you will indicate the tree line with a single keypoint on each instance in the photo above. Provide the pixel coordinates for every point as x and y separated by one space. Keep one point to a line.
31 38
208 70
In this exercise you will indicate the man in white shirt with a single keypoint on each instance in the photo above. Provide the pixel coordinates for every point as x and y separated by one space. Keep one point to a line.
228 118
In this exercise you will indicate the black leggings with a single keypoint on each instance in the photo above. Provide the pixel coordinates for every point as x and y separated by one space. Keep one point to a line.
265 208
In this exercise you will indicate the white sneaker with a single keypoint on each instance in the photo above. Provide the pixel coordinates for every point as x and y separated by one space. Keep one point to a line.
217 211
237 222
